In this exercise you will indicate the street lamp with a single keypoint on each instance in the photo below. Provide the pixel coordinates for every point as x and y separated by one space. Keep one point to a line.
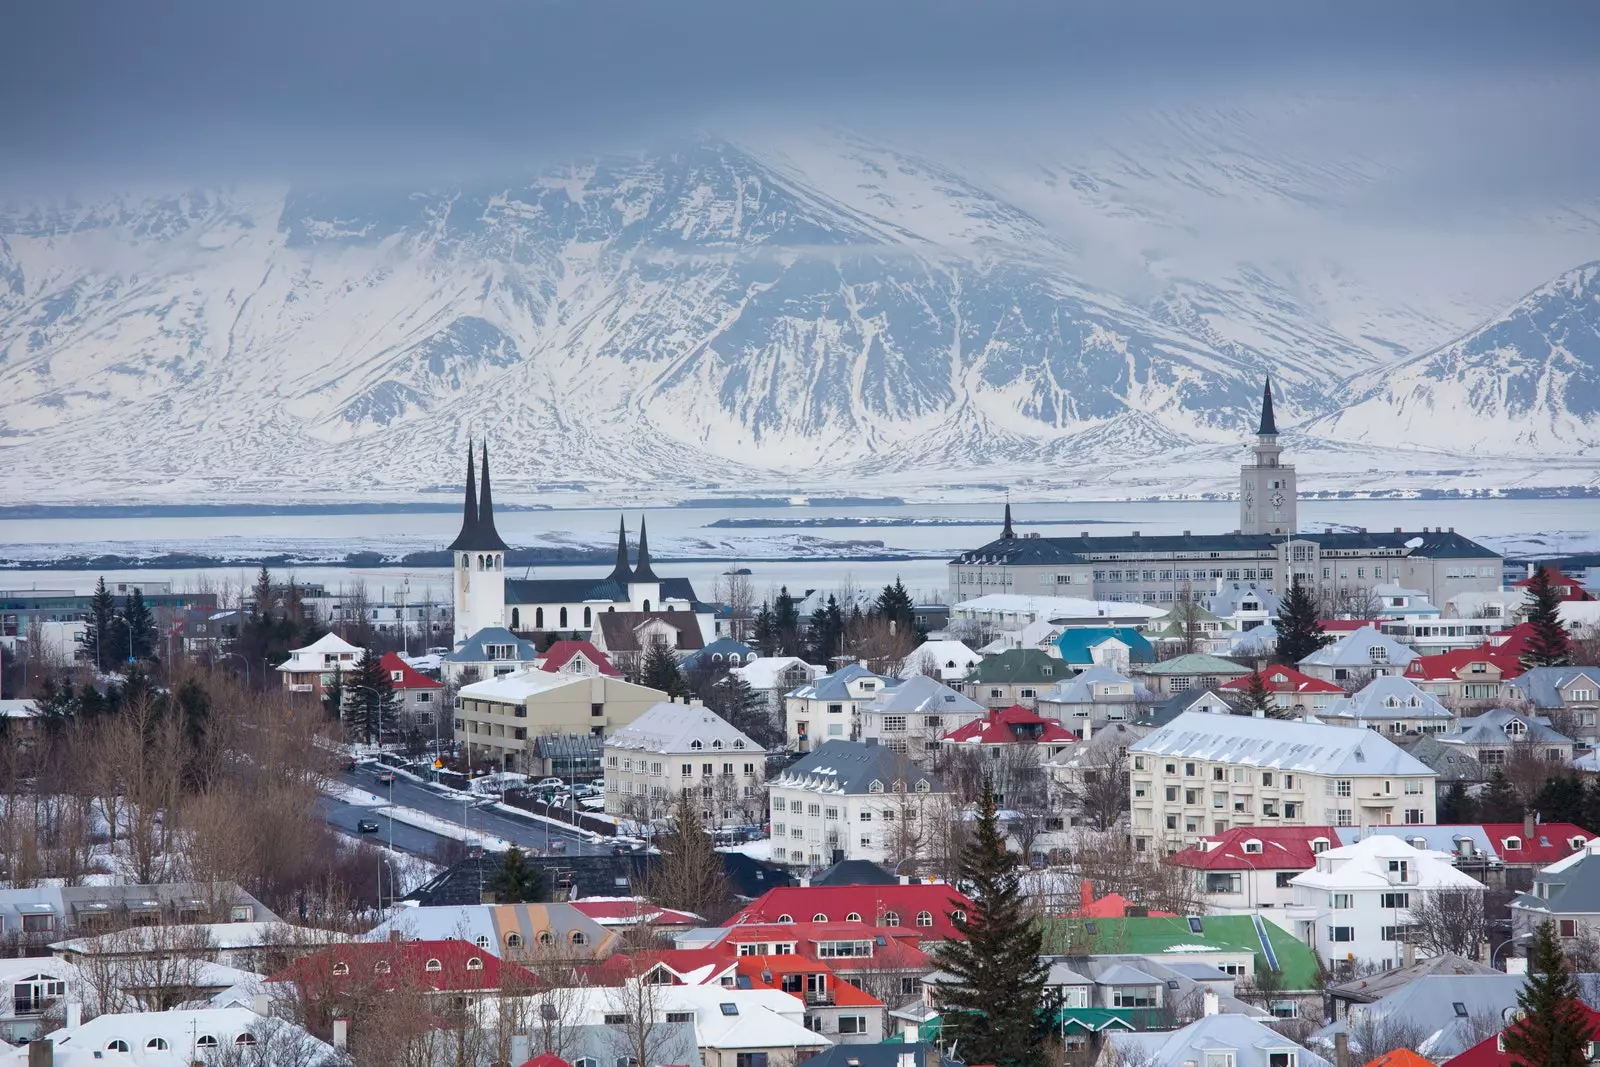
241 658
1508 941
379 695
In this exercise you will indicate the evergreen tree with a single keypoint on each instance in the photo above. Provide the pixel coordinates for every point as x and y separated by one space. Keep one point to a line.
745 710
786 618
370 706
894 604
765 633
1299 631
1499 802
827 632
1554 1030
660 670
517 881
1454 807
992 1002
139 627
1549 645
1560 799
261 594
333 695
1591 804
1259 699
100 628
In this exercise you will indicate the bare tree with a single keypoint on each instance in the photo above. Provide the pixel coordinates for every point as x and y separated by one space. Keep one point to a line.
143 968
277 1043
1097 785
1448 921
737 591
631 1014
690 875
1372 1033
1110 862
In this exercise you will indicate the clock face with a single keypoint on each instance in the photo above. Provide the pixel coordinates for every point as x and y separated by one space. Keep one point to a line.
1277 500
1249 498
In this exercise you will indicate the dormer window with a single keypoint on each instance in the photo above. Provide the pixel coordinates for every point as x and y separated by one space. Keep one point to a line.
1252 847
397 676
695 745
1378 654
1512 844
1319 844
875 787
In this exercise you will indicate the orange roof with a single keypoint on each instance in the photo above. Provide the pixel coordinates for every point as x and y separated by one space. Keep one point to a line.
1401 1057
761 969
1113 906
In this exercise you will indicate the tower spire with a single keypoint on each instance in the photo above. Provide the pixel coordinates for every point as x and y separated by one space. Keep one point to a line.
469 510
488 536
1269 425
642 571
621 572
1006 532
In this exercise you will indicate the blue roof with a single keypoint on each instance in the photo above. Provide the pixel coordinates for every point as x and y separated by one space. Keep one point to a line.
722 650
1075 644
832 686
472 650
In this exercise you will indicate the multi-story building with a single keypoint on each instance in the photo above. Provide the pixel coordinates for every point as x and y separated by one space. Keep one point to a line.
23 609
1499 735
419 697
626 637
1393 705
1268 547
1099 694
1465 675
1569 696
498 719
1290 689
1184 674
488 653
1250 868
673 749
850 801
1352 906
1206 774
1016 676
824 709
913 716
1359 656
311 669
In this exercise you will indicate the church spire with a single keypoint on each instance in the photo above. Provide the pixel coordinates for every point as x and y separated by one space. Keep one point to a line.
1269 425
1006 532
469 510
621 573
488 536
642 571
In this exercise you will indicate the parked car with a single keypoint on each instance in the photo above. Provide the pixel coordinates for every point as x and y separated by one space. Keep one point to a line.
367 826
548 783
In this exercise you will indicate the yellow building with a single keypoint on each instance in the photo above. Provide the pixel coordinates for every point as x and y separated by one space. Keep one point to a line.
498 719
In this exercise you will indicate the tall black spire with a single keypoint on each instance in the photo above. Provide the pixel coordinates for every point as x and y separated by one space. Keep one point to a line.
1269 425
469 511
621 573
1006 532
642 571
488 536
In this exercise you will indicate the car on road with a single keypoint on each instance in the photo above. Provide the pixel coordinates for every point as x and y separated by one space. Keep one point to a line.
347 765
386 778
367 826
548 783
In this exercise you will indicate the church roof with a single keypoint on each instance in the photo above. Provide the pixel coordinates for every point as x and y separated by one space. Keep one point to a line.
641 570
620 571
1269 425
477 513
522 591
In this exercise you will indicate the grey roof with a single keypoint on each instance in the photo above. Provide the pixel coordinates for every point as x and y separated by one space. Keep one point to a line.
1079 690
1281 745
1428 1003
1388 696
922 694
587 590
672 1043
1573 890
1194 663
832 686
1490 729
856 872
1164 712
472 650
1226 601
1542 685
881 1054
1043 551
1354 650
1380 984
851 767
1251 1041
67 902
733 654
1450 762
1446 839
1122 974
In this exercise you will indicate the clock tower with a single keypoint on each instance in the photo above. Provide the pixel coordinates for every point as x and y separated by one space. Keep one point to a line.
1266 485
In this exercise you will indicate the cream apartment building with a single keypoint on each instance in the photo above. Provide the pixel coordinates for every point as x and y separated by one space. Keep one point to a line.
499 718
674 749
1205 774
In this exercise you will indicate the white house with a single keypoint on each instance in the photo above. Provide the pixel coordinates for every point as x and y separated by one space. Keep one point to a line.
673 749
849 801
1351 905
312 669
914 715
1205 774
825 709
1393 705
1098 694
1359 655
1213 1040
1011 611
948 661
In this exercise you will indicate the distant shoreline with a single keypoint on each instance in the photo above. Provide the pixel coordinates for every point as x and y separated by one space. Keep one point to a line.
439 560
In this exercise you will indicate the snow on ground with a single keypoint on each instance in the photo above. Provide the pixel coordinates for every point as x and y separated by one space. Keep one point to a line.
445 828
1553 543
756 850
349 794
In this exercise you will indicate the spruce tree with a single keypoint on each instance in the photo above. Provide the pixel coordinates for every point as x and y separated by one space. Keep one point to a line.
1454 807
262 594
1299 631
994 991
894 604
1258 698
827 632
745 710
786 620
660 670
100 629
766 630
1499 802
370 705
517 881
139 627
1549 644
1560 799
1554 1030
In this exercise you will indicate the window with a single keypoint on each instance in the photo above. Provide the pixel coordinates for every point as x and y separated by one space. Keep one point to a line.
819 918
578 938
1341 787
1222 882
1568 928
891 918
156 1044
476 962
1283 1059
206 1041
341 968
1395 900
1341 901
116 1044
1388 933
924 918
894 724
680 1016
482 941
747 1059
852 1024
853 917
381 967
617 1018
1341 934
1133 997
433 966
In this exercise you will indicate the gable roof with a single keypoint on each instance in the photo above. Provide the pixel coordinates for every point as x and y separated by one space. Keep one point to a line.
834 686
1388 696
948 659
1450 762
1191 664
1380 984
671 727
1159 936
410 677
1204 701
1280 745
1000 728
328 643
856 872
1249 1039
1354 649
1487 1053
1076 643
561 652
1019 665
870 902
1080 689
472 650
922 694
1542 685
764 671
1489 729
722 650
1271 848
1282 679
494 922
1449 665
620 628
853 767
460 965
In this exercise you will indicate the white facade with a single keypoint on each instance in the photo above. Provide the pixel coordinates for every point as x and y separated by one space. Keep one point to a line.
1349 908
1267 493
825 709
914 715
849 801
683 748
1393 705
479 585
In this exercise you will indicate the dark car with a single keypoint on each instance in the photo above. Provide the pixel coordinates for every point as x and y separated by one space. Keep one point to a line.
367 826
347 765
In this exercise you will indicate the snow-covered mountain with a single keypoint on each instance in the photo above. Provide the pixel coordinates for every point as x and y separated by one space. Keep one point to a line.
808 313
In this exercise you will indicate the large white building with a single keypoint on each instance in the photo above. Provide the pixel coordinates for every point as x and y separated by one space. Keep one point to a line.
674 749
850 801
1204 774
824 709
1351 906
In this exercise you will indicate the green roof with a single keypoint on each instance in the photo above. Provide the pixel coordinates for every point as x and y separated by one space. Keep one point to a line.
1095 1019
1021 665
1195 663
1172 936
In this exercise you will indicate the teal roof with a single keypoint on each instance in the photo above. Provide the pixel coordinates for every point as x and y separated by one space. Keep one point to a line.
1158 936
1095 1019
1075 643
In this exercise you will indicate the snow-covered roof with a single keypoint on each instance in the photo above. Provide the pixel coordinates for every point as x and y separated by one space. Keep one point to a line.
724 1019
1388 696
519 685
1365 865
765 672
1080 690
182 1035
1055 607
947 660
921 694
675 729
1251 1042
1355 649
1281 745
834 686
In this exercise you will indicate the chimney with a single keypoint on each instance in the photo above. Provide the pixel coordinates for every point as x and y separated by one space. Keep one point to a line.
1084 534
1397 529
1341 1049
1186 533
41 1053
1528 827
1136 533
74 1015
1211 1004
396 936
341 1034
1085 894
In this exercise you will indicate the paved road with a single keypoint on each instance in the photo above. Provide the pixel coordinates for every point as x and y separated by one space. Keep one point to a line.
407 838
526 833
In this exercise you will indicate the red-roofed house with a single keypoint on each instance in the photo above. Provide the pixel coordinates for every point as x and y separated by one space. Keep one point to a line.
547 1059
1566 587
1535 844
920 907
1290 688
1249 867
634 911
1490 1052
1513 640
1110 906
417 694
1466 673
1015 725
891 970
1342 626
833 1005
575 657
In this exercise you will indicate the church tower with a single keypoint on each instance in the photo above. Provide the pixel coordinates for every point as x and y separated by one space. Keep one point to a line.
1266 486
479 559
644 588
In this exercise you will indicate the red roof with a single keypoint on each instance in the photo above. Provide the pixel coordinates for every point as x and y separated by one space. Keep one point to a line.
1486 1053
556 656
1343 626
440 965
900 951
1513 641
1551 841
766 972
1114 906
1449 665
547 1059
410 677
1280 679
1574 587
1282 848
1001 727
874 903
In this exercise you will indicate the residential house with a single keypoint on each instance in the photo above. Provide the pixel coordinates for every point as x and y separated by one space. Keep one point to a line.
1500 735
1011 611
1567 892
31 919
506 930
673 749
627 636
1491 1051
824 709
575 657
887 961
498 719
1371 988
921 908
1102 752
1016 676
1452 763
205 633
850 800
1507 854
39 988
1241 606
1204 774
633 912
1099 694
773 676
722 654
1390 704
1006 727
1564 586
1190 628
179 1037
1432 635
1291 690
420 699
1197 670
440 969
1465 675
1353 904
1041 635
1568 696
948 660
243 946
1116 647
311 669
1448 1012
1249 868
488 653
1359 656
907 1053
833 1005
1208 701
1220 1040
913 716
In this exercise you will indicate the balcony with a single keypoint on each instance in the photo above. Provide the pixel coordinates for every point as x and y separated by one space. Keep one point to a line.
301 687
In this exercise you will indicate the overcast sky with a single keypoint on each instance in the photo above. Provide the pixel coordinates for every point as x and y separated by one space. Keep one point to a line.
207 89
